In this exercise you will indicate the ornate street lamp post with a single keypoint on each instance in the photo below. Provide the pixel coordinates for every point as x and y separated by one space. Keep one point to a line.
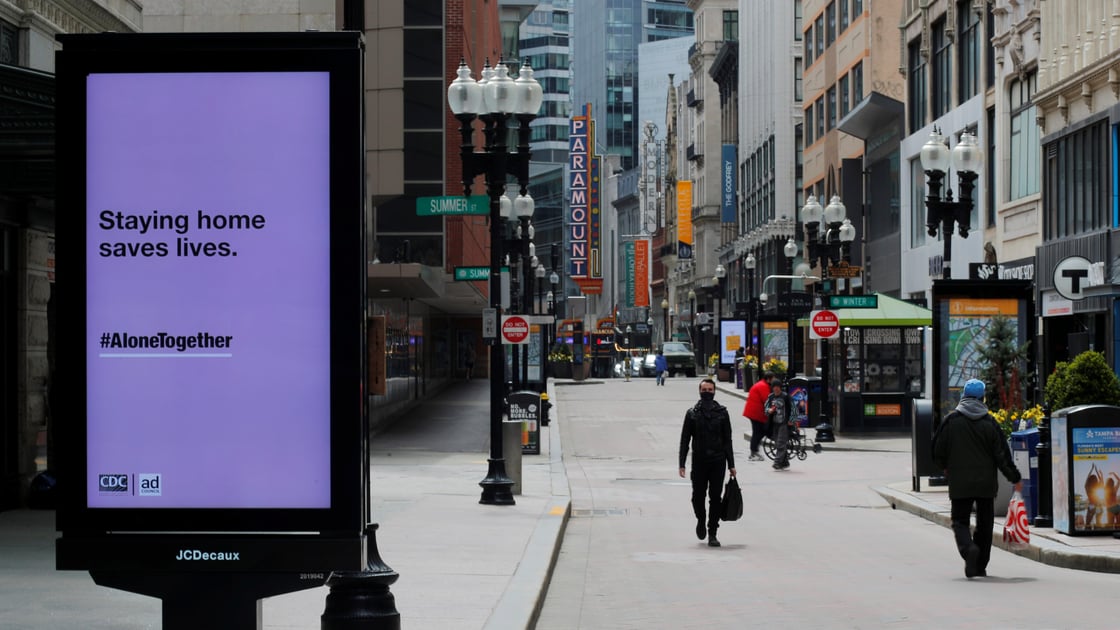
664 320
967 159
826 246
493 103
751 264
692 322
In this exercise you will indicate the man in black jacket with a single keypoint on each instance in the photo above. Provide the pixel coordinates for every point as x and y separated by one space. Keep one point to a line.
970 447
707 426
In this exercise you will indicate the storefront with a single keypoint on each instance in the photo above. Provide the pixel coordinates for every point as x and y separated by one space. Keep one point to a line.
877 366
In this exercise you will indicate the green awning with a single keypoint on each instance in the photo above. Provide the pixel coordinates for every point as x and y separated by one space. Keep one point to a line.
891 312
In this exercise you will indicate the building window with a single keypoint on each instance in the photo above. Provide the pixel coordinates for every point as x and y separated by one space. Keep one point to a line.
968 52
1024 155
797 20
845 15
917 204
830 24
730 26
820 117
989 58
916 86
857 8
832 107
990 173
845 96
1077 195
809 126
809 56
9 44
942 70
818 27
857 83
798 72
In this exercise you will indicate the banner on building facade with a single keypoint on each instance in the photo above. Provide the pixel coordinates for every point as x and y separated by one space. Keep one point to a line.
727 184
641 272
684 219
628 267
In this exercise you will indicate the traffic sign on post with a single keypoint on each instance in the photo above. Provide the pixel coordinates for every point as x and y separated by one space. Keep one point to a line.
823 325
515 329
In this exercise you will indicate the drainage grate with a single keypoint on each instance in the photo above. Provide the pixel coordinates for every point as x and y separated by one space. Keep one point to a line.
600 512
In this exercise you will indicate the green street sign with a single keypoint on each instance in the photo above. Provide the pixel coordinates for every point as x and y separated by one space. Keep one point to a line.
853 301
452 205
470 274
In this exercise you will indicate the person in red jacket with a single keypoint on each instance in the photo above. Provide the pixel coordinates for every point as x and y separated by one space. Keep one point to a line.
754 412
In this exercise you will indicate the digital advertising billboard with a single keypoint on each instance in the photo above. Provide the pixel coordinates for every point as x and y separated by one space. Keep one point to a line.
214 276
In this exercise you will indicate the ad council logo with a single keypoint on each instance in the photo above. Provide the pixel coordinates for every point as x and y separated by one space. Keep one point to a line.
113 484
149 485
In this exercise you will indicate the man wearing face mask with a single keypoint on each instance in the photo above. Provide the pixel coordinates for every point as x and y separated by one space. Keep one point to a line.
707 426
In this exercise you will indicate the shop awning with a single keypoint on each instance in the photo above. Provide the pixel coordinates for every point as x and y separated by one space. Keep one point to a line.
891 312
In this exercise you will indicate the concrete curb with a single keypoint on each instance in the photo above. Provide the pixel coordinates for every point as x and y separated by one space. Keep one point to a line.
1041 548
520 604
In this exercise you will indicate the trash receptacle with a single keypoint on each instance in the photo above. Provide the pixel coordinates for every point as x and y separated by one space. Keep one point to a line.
525 407
1024 453
921 442
806 394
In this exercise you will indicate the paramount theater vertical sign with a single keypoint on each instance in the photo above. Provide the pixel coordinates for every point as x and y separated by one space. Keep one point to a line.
584 244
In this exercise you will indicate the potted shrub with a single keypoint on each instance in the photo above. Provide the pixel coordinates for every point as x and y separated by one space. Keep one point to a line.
1086 380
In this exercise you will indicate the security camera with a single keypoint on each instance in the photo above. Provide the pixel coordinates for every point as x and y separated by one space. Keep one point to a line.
762 297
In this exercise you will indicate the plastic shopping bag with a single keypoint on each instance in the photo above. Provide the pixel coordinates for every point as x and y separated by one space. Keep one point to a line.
732 501
1016 531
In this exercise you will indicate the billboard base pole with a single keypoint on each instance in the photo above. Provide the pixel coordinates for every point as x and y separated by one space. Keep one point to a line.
360 600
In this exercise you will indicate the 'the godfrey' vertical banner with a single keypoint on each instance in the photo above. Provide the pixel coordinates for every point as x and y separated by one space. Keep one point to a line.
684 219
641 272
727 185
578 201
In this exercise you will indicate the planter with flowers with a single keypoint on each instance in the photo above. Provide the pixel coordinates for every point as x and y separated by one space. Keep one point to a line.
777 366
560 360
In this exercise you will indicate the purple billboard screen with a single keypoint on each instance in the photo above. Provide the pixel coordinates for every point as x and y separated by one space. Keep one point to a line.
208 290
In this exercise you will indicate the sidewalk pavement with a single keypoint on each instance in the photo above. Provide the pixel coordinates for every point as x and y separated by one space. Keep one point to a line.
1048 546
461 564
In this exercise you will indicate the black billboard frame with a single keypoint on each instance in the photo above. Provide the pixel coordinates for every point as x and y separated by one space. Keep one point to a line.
311 542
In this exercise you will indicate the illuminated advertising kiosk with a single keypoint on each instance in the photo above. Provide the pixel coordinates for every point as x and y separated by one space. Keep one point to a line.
211 277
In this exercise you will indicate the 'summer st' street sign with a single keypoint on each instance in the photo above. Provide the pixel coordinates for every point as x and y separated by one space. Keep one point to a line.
474 273
452 205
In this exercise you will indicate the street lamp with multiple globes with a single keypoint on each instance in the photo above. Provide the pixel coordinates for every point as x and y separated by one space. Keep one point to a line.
826 246
493 101
967 159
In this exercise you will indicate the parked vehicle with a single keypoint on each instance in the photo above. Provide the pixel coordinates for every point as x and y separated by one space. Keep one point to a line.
680 357
649 365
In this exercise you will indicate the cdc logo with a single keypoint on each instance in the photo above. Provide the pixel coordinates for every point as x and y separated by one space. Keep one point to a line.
113 484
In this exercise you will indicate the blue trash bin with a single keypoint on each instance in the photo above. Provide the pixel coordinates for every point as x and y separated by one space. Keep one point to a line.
1024 452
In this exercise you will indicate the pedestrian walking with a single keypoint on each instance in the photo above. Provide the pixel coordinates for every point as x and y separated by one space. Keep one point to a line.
970 447
661 366
756 413
779 410
707 426
469 360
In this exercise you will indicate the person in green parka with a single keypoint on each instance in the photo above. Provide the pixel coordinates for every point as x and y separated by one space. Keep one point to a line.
970 447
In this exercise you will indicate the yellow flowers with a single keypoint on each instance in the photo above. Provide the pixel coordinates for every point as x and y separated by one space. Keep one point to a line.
750 361
713 360
776 366
1017 419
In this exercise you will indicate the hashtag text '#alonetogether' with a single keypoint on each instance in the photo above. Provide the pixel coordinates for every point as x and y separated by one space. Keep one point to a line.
163 340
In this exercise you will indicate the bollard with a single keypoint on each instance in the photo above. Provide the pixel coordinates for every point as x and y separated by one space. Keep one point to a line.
545 406
1044 517
360 600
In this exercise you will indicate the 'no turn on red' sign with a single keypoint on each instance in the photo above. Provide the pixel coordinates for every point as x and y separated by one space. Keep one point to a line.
823 325
515 329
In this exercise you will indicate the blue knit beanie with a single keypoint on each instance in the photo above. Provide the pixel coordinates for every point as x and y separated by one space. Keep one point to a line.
974 388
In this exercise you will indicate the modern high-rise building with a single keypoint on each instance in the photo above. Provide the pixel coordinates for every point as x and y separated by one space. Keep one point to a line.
605 39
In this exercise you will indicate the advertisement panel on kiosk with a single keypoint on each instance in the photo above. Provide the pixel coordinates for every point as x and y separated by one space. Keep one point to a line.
732 336
211 283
